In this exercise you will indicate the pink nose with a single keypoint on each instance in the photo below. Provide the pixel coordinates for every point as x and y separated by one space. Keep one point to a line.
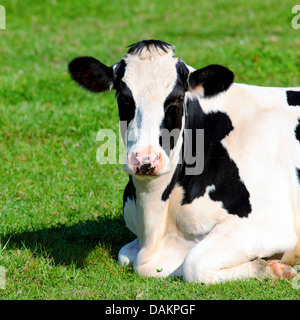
146 161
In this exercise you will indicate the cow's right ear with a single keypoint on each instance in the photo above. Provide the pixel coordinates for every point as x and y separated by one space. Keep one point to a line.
91 74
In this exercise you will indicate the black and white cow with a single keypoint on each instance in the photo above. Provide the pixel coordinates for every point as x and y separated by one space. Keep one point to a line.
228 219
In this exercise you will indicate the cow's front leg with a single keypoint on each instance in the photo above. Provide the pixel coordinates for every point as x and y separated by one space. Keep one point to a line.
233 250
127 255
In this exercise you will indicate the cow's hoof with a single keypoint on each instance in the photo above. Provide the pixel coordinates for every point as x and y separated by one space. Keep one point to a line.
278 270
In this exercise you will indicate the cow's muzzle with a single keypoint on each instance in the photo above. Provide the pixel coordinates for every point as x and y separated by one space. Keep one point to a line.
146 161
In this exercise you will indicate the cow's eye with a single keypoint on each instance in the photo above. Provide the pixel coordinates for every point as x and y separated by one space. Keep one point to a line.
180 99
176 103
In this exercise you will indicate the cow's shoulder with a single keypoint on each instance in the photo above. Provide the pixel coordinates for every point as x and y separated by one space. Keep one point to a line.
220 172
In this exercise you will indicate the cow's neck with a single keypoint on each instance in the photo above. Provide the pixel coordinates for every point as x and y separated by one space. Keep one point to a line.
152 212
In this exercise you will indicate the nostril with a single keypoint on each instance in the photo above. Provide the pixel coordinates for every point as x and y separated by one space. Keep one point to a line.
157 156
133 159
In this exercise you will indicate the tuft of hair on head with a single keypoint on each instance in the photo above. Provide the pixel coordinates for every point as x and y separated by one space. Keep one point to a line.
150 48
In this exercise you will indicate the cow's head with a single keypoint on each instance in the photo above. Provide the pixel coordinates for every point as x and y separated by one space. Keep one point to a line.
151 85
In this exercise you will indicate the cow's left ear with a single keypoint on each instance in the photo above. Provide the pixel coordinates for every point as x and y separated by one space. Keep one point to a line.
91 74
210 80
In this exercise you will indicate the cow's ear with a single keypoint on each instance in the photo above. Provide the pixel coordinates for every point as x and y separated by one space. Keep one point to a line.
91 74
210 80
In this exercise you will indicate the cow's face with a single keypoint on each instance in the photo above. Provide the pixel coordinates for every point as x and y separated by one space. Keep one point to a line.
150 86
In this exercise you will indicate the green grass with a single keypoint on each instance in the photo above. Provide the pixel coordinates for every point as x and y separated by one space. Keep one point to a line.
61 223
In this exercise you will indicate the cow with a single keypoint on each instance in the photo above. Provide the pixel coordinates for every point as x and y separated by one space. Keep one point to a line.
238 215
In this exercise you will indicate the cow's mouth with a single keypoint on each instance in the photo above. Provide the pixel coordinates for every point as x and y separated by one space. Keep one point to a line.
146 169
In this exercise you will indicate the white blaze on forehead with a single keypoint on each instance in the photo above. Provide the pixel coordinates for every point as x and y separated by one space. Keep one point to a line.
151 76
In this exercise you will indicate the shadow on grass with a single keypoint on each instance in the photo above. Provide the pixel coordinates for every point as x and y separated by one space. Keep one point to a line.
71 244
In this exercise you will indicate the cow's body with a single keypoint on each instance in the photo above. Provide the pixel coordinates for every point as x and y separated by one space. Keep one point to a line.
265 150
245 204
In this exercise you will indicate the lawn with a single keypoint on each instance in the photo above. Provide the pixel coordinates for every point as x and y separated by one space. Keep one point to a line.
61 223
